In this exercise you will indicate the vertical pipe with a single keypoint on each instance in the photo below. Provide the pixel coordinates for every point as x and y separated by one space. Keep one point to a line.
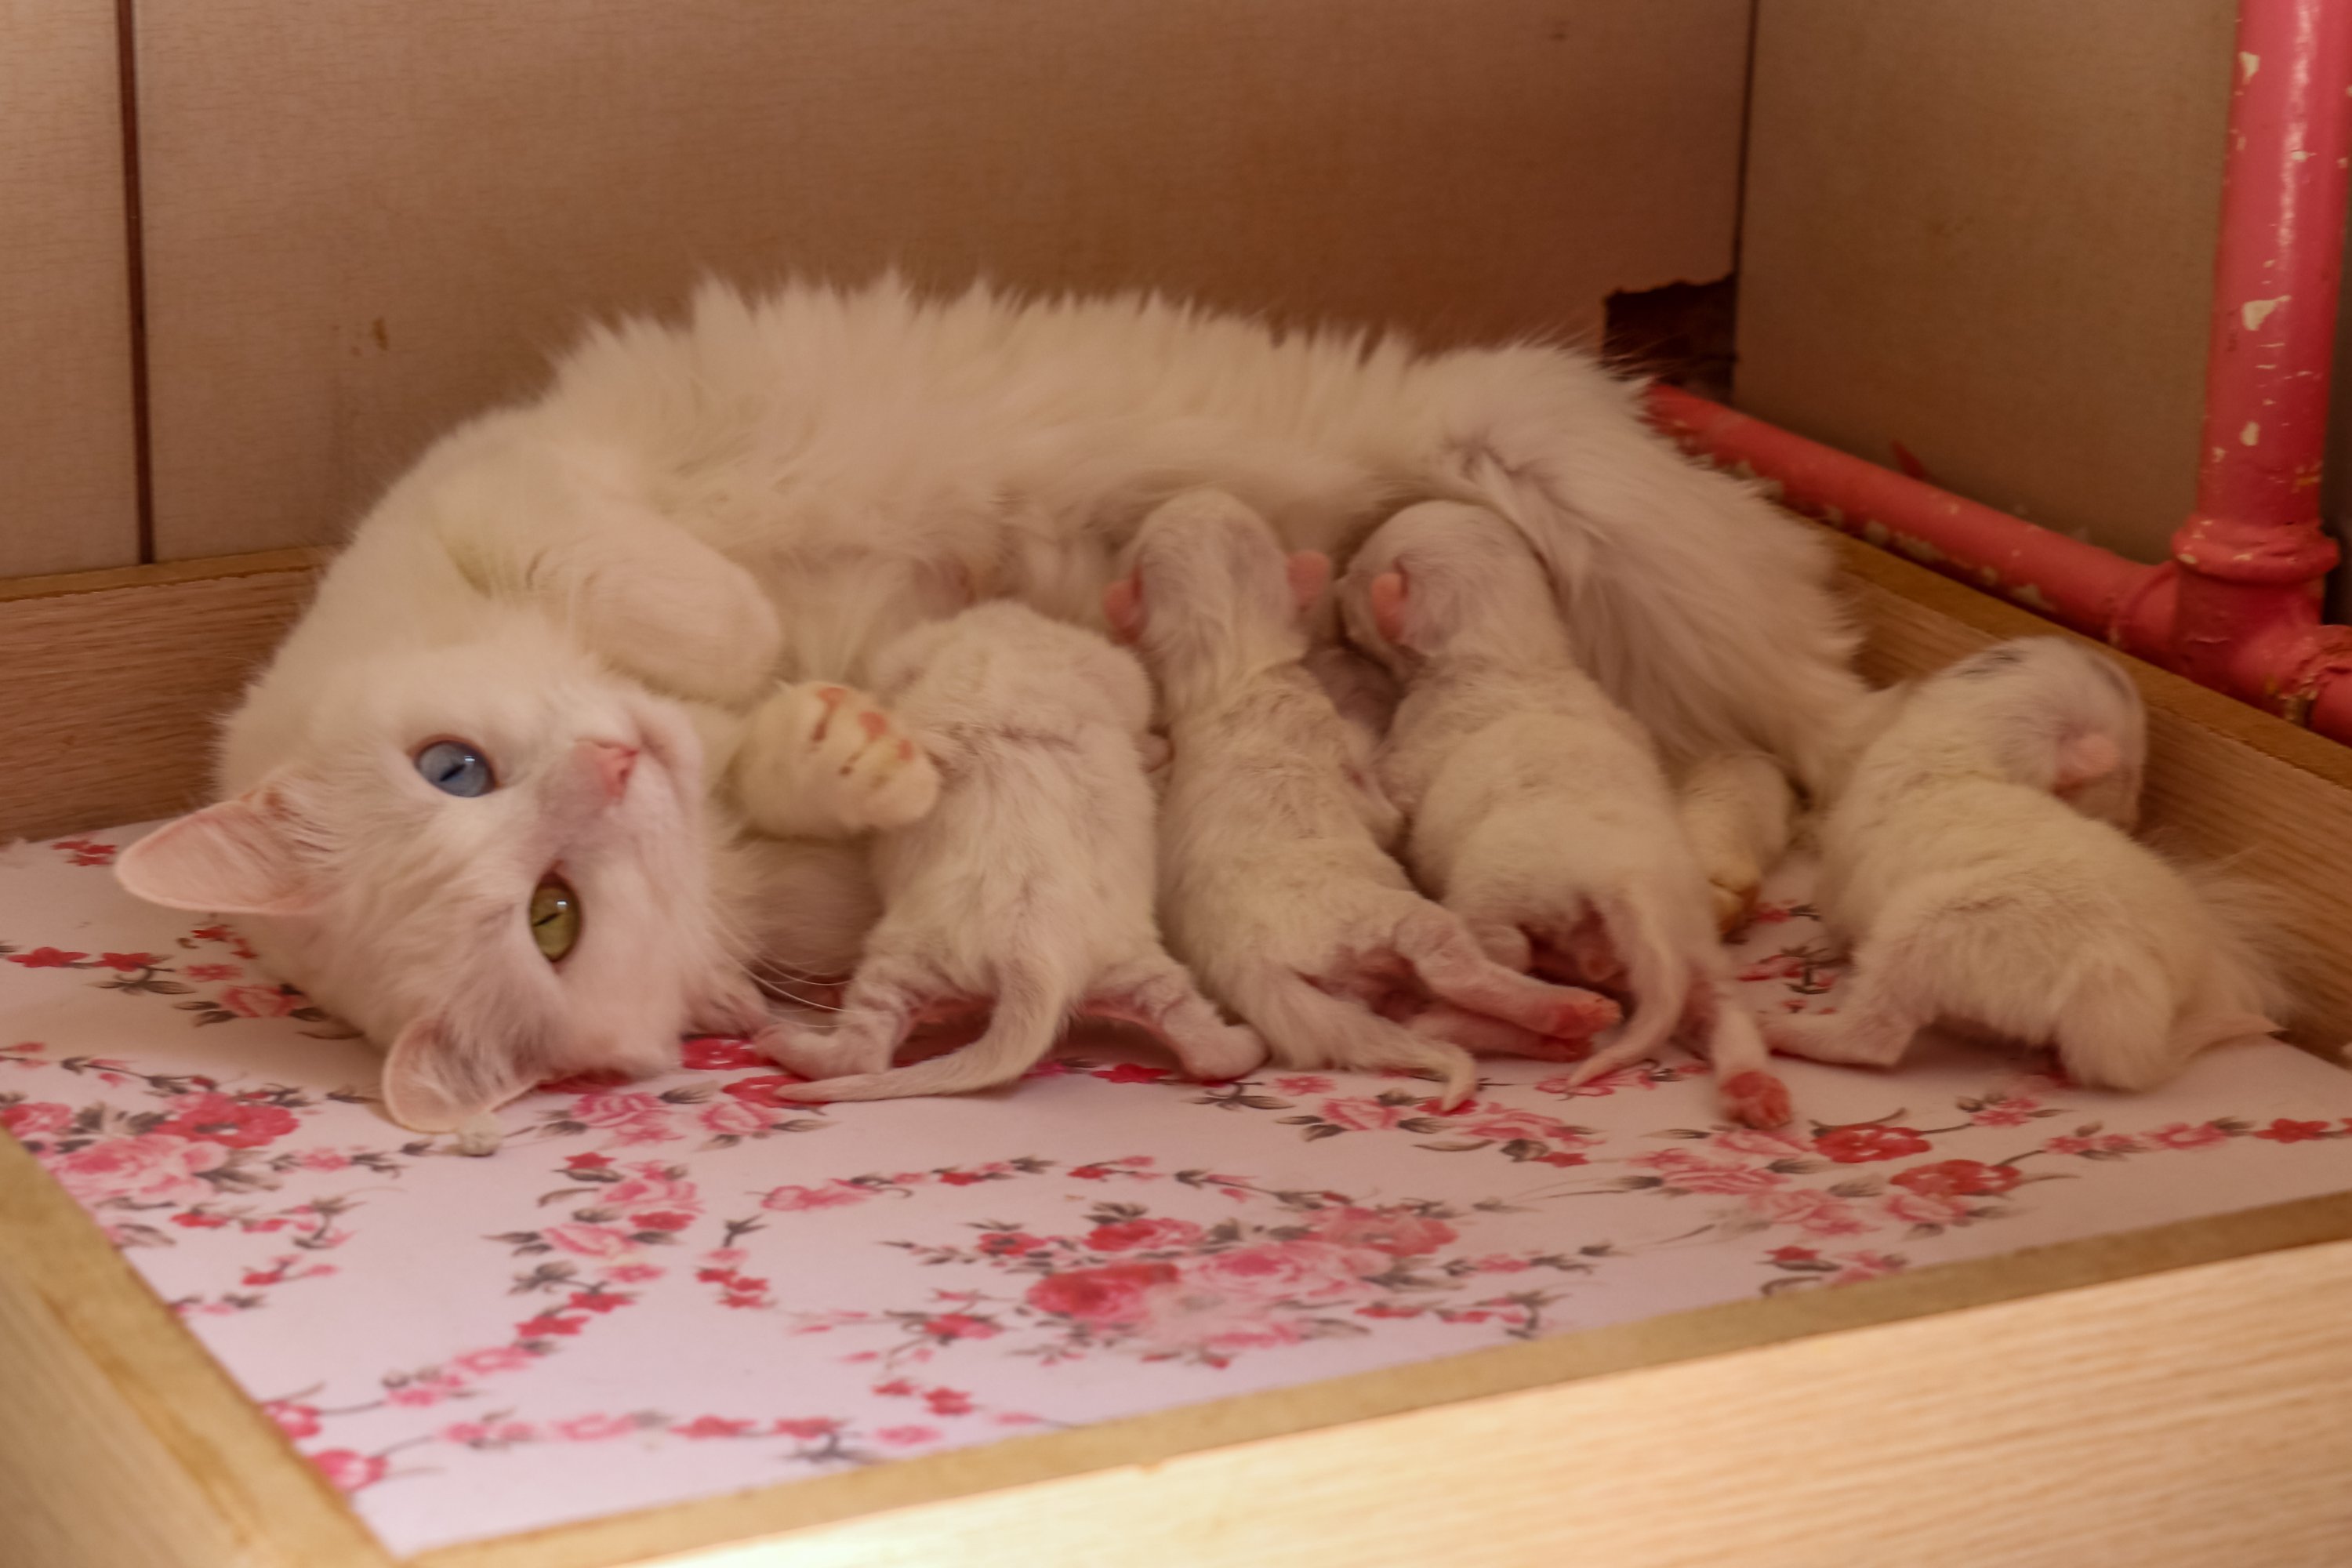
2254 555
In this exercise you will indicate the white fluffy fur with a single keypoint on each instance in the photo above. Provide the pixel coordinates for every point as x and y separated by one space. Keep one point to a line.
1975 898
1738 815
773 490
1275 886
1539 812
1028 888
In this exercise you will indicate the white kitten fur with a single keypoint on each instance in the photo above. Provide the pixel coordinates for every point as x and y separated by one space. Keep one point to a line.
1029 885
1540 813
1274 887
1737 813
775 489
1977 899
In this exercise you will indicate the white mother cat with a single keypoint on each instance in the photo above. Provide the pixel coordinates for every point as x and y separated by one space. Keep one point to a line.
464 805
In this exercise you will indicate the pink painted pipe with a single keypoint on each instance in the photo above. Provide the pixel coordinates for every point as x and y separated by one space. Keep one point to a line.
2238 605
2253 553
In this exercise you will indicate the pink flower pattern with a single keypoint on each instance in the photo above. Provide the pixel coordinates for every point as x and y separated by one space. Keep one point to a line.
663 1288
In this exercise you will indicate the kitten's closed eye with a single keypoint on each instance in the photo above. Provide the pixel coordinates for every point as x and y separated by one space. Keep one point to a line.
454 767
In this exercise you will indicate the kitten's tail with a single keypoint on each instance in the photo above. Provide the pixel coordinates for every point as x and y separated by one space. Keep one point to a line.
1305 1027
1031 1009
2254 961
1658 975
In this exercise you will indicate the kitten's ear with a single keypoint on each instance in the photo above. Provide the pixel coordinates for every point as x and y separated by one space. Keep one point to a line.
435 1082
234 858
1388 596
1123 607
1310 573
2084 760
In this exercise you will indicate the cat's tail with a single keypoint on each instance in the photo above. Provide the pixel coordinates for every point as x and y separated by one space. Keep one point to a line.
1305 1027
1688 596
1657 973
1031 1009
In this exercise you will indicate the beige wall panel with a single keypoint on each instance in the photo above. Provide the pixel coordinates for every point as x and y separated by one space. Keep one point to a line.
366 220
1984 229
69 468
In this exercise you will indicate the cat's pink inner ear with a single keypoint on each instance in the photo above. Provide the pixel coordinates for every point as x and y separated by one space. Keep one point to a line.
1123 607
2085 760
435 1081
1388 597
1310 573
234 858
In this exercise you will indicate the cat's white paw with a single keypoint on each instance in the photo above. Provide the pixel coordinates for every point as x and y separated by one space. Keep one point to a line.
696 627
819 760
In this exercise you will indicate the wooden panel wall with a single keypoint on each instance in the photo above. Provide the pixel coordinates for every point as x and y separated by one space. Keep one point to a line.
69 475
365 220
1984 229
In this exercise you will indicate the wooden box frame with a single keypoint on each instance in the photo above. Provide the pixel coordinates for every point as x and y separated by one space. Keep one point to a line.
2175 1396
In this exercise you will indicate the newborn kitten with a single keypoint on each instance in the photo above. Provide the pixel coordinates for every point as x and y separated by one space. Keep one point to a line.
1977 899
1540 813
1028 886
1273 884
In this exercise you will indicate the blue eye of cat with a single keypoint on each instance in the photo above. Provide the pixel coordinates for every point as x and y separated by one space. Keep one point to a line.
454 767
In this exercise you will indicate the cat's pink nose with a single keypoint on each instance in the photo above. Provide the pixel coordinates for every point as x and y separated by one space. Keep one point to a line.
611 764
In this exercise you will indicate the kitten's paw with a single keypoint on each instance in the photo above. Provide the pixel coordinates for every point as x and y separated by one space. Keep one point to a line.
1759 1099
477 1135
818 759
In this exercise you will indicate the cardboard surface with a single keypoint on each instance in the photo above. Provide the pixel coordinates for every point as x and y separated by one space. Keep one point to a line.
1984 229
69 476
365 222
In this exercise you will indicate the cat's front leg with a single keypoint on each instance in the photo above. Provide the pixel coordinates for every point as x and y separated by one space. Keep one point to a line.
818 759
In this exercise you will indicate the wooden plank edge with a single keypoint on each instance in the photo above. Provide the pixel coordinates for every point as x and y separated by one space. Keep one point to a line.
280 1509
163 573
1708 1332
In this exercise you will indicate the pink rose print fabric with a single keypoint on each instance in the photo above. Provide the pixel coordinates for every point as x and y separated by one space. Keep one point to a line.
665 1289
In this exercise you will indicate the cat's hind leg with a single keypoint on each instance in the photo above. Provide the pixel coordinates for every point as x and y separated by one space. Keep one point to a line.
1159 995
1874 1025
885 1002
1447 961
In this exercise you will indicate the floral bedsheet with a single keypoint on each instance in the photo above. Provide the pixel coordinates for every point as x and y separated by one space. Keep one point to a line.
665 1289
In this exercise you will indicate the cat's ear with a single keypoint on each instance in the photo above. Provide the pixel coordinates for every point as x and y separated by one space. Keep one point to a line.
238 858
435 1081
2084 760
1123 607
1388 596
1310 573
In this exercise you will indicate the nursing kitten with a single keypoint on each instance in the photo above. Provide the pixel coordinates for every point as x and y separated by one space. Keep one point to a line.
1737 813
1978 861
1273 886
771 490
1540 813
1028 888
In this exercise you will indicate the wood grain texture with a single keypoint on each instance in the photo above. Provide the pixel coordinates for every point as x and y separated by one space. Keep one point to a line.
68 470
115 680
367 221
122 1444
2227 784
2130 1422
1985 228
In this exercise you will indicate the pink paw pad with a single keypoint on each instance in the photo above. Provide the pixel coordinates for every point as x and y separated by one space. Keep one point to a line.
1759 1099
1584 1016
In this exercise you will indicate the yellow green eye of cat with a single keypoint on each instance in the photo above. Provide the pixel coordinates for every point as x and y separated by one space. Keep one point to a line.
554 918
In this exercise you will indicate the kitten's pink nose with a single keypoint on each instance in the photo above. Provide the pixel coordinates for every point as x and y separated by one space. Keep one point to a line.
612 762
